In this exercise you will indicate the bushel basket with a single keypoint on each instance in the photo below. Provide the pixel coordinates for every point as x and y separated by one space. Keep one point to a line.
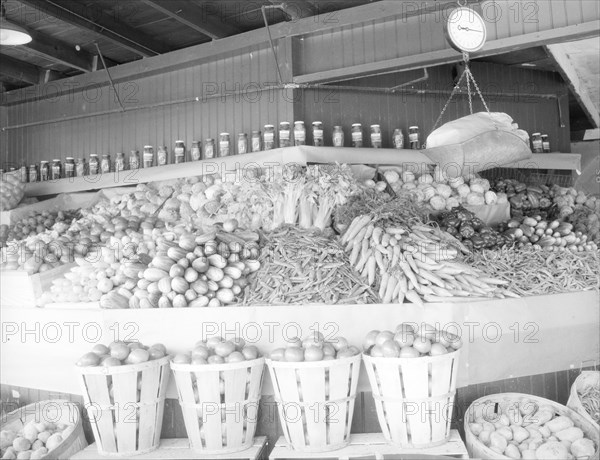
584 380
315 401
414 397
53 411
125 405
220 404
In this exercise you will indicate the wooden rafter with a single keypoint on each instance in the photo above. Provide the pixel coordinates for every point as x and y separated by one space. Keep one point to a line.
200 19
19 70
123 35
297 9
569 73
59 52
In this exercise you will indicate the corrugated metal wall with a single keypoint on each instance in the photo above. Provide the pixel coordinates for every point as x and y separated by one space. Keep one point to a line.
405 108
242 107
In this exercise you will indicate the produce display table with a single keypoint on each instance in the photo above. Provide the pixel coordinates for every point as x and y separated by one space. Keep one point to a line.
180 449
521 337
373 445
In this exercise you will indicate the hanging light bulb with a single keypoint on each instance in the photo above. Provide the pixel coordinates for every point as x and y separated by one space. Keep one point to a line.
12 34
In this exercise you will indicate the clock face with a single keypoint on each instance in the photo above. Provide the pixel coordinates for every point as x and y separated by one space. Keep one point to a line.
465 30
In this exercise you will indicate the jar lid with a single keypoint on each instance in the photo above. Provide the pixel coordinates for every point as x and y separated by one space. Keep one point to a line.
298 122
544 135
33 166
179 142
356 124
70 158
317 123
413 127
255 132
209 139
93 154
120 154
44 161
106 155
55 160
536 134
337 127
224 134
241 134
148 147
269 126
375 126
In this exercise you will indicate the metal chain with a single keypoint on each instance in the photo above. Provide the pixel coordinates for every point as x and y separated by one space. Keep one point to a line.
469 76
480 95
454 91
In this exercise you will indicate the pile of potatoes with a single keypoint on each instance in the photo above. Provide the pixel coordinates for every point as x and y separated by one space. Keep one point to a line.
35 440
525 429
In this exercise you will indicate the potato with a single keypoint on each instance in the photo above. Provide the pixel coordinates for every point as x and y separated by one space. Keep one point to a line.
476 428
583 448
504 420
484 437
498 441
512 451
545 431
567 444
541 417
528 454
533 445
552 451
487 426
570 434
506 432
520 434
559 423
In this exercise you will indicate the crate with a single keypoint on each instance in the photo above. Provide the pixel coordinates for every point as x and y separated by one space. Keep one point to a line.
374 445
51 411
181 449
487 405
315 401
125 405
414 397
18 288
210 391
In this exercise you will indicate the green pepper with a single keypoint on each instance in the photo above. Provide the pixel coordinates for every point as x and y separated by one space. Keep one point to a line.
466 230
516 201
478 242
520 187
485 230
545 202
468 244
477 223
452 230
452 221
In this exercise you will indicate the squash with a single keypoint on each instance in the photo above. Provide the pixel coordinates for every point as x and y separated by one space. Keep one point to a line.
571 434
559 424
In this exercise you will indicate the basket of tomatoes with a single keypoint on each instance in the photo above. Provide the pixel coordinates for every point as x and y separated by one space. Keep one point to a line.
124 387
219 386
315 382
412 373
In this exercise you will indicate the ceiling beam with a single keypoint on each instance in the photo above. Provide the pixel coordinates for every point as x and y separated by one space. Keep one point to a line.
449 55
77 15
59 52
201 19
20 70
569 73
298 9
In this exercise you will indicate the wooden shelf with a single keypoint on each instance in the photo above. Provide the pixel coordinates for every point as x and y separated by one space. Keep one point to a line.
180 449
301 155
374 445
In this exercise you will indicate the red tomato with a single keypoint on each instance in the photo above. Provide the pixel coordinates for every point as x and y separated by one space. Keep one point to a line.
313 353
210 343
370 340
383 337
294 342
390 349
224 348
278 354
250 352
437 349
408 352
215 359
339 343
235 357
404 338
377 352
328 349
200 352
422 344
294 354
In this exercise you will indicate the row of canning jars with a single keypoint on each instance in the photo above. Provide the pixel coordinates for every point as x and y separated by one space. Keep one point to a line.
259 141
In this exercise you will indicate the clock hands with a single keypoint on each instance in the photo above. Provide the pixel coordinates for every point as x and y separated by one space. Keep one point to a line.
468 29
